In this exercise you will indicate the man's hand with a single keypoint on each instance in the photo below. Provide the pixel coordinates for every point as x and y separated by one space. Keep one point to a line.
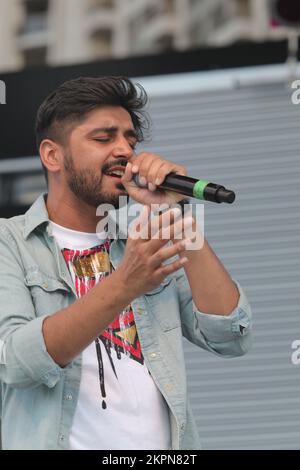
144 263
152 170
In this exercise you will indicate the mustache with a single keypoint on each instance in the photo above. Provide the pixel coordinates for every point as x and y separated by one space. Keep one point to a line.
120 162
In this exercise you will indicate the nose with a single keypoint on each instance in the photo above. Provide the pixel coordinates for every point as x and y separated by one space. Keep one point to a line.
122 148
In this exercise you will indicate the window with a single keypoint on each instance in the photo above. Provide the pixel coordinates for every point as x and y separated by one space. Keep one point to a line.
35 16
35 57
36 6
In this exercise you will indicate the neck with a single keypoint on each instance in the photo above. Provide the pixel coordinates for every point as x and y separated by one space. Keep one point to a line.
70 212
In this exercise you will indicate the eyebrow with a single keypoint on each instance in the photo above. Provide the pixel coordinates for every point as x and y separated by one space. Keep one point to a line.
112 130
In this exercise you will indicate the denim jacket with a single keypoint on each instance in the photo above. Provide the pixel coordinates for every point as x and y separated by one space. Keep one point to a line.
38 397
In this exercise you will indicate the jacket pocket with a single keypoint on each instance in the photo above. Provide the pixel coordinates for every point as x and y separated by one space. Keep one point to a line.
46 283
48 294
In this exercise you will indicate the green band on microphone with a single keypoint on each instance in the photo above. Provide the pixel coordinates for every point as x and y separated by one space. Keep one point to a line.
198 189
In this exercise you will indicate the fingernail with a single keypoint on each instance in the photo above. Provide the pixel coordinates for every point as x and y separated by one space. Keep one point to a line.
185 242
142 181
135 169
176 211
151 187
188 221
183 260
157 181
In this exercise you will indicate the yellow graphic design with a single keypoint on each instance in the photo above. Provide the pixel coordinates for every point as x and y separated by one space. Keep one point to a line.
92 264
128 335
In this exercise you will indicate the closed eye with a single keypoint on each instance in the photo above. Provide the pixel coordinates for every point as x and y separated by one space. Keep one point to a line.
104 139
108 139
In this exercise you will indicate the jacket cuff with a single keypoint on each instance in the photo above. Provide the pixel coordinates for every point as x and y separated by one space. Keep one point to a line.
221 328
30 354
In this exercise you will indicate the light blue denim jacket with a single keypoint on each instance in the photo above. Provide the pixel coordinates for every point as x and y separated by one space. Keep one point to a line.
39 397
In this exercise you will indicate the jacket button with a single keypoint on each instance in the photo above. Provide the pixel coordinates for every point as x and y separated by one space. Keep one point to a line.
45 285
61 437
153 355
69 397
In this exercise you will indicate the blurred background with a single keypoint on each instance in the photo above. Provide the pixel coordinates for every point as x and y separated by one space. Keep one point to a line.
219 75
58 32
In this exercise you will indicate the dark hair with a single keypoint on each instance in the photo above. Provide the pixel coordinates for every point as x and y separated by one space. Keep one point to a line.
72 100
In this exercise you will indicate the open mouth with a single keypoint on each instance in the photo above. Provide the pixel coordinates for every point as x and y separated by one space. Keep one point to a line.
115 173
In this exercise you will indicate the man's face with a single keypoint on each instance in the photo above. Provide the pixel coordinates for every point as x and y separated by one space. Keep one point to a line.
98 151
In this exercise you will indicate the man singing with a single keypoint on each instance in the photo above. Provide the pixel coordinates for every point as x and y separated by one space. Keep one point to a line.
91 324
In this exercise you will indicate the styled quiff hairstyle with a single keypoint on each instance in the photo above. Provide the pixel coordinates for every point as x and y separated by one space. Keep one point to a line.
69 104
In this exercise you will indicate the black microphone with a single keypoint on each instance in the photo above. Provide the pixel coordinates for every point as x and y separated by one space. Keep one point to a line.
200 189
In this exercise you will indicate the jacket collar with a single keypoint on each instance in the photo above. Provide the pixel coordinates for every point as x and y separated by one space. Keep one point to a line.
37 215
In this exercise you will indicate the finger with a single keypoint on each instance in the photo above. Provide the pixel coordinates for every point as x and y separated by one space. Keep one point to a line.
135 166
128 173
168 269
166 169
176 230
164 254
152 174
136 163
172 225
145 164
137 227
158 225
184 228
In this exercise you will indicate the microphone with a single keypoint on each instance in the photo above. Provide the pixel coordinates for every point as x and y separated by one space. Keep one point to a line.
199 189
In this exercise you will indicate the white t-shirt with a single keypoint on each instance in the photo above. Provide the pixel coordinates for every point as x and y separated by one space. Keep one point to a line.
119 404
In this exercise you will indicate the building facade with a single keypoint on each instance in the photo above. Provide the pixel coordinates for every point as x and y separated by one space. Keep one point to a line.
57 32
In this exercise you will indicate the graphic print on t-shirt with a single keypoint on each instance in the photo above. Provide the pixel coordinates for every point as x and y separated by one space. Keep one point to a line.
88 267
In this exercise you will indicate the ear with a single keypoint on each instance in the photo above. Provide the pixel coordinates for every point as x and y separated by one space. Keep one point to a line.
51 155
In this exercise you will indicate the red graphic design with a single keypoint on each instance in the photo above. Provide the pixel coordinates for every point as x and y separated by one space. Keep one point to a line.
88 267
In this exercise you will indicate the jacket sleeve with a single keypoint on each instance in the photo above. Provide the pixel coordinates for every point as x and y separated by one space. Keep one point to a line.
24 360
228 336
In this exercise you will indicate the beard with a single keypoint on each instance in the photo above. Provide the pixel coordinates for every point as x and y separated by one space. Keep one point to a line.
87 185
